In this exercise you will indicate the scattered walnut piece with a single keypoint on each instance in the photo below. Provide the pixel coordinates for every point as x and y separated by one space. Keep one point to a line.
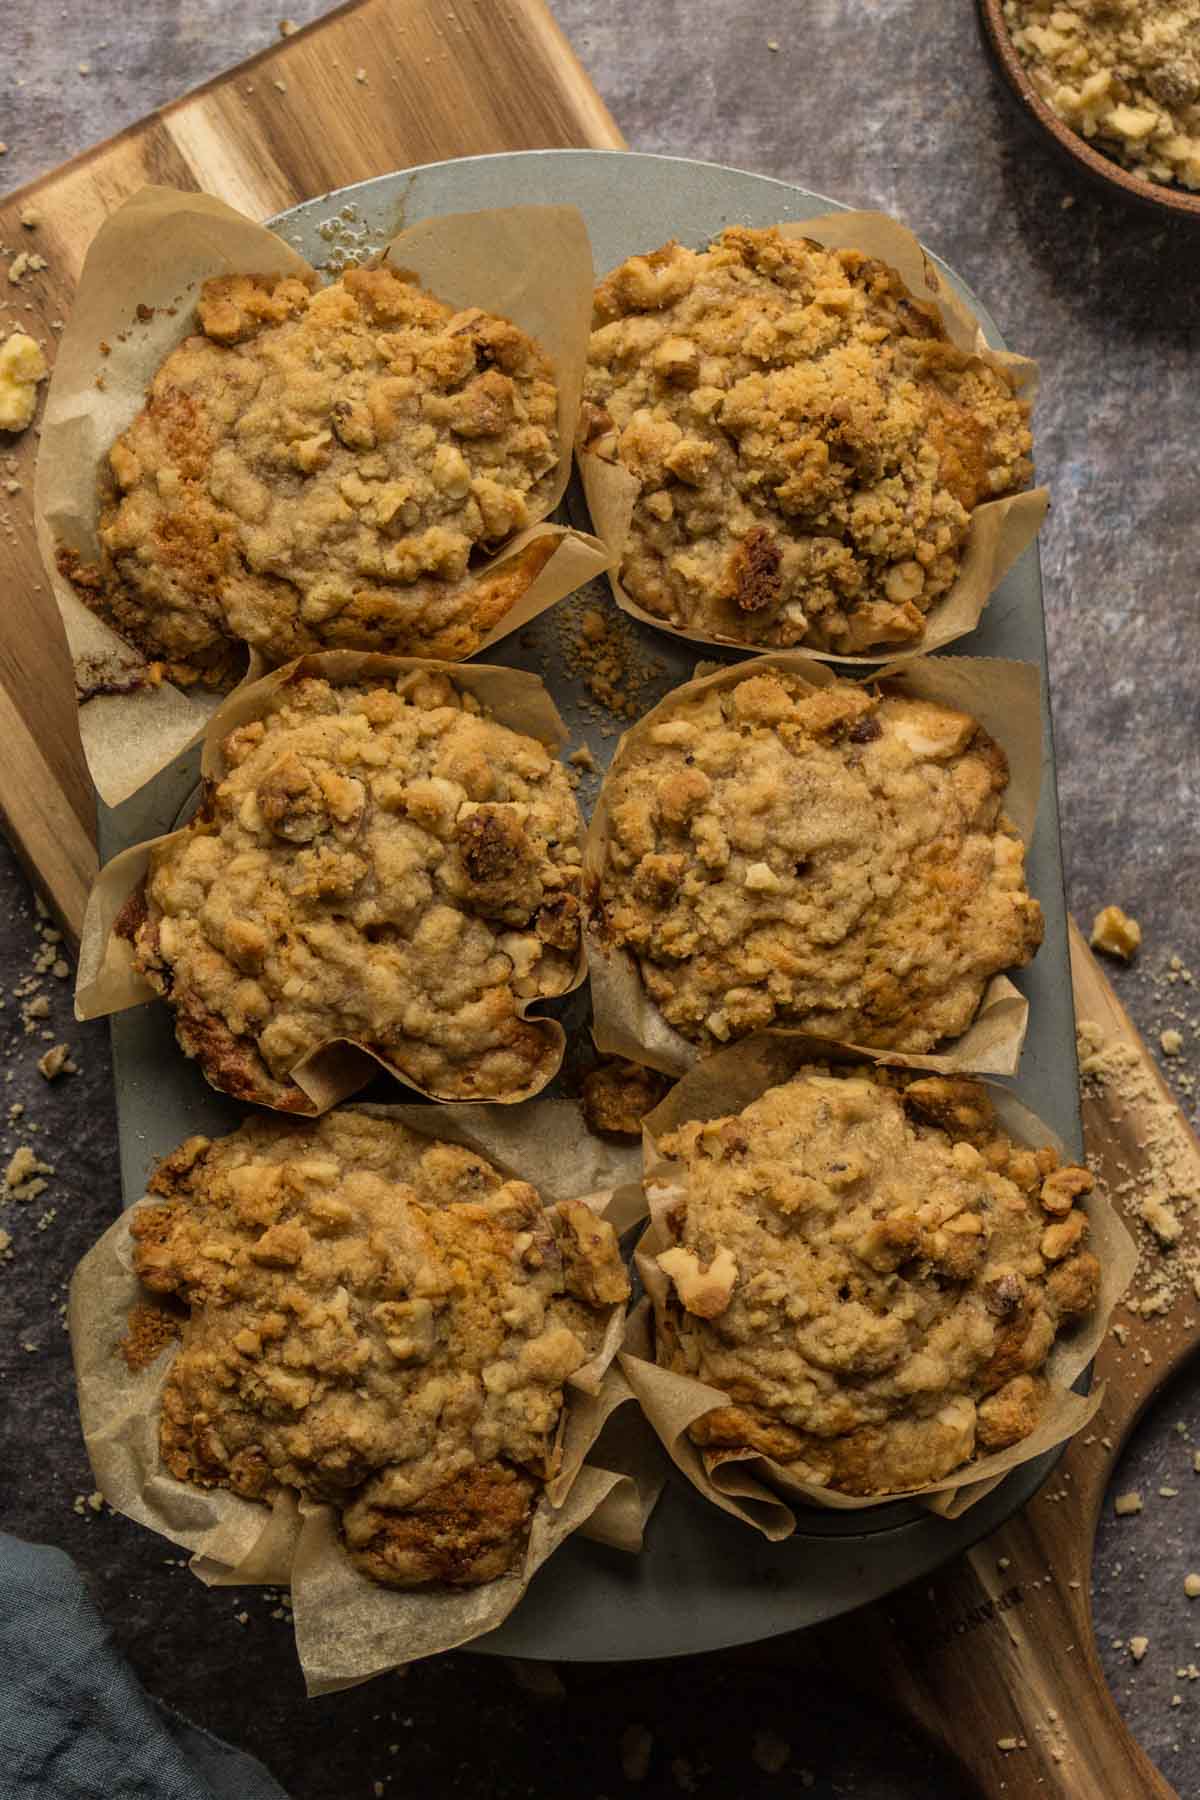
57 1061
1127 1503
1116 933
22 367
1138 1647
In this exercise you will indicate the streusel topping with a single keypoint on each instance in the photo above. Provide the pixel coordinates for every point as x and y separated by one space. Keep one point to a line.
832 859
809 443
384 864
874 1273
315 470
378 1320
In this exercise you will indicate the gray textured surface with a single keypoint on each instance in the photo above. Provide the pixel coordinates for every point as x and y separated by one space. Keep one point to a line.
889 105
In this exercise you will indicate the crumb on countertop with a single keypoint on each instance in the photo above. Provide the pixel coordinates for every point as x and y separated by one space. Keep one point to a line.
1115 933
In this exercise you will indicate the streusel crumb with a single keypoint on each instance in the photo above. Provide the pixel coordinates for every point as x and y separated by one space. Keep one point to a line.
316 470
379 1320
832 859
809 443
874 1273
387 865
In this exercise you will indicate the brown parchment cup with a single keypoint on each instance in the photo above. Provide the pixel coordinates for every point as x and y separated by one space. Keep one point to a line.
999 529
1005 697
107 981
348 1628
532 264
756 1488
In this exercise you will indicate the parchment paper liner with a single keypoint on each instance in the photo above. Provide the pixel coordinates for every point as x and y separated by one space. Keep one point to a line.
532 264
751 1486
106 980
999 529
347 1627
1003 696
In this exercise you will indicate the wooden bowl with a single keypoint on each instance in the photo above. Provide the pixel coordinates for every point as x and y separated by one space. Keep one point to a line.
1092 164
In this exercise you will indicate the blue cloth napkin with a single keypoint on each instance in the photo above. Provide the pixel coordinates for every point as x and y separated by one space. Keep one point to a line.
74 1722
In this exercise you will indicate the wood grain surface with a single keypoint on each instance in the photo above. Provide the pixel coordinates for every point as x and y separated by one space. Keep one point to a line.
995 1655
439 78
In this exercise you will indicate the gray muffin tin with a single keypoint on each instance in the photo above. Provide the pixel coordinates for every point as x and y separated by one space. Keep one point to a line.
703 1581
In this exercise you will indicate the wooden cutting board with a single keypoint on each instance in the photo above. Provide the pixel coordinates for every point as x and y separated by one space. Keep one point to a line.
443 78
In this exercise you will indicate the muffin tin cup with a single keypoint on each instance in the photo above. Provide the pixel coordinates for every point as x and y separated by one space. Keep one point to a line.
755 1488
136 297
347 1627
107 980
1003 696
999 530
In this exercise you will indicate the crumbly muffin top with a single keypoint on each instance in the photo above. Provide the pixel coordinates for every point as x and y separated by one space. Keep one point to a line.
809 443
874 1273
831 859
384 864
315 469
1123 72
380 1321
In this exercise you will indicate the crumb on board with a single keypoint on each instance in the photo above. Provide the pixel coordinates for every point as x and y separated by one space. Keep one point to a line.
1128 1503
1138 1647
600 648
770 1752
1191 1586
1151 1171
636 1744
1171 1041
1115 933
57 1061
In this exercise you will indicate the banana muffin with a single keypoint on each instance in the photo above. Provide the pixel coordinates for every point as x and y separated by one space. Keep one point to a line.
875 1274
808 442
377 1320
829 859
382 864
316 469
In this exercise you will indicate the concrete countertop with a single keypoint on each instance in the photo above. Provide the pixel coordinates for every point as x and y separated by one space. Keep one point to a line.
890 105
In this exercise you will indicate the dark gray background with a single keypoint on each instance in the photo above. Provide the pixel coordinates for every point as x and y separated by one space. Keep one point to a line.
888 104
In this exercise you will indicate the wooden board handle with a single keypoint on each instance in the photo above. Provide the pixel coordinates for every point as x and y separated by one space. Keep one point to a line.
999 1667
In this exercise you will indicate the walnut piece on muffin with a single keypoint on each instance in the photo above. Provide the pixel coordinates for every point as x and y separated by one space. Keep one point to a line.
830 859
383 864
379 1321
316 469
874 1272
809 444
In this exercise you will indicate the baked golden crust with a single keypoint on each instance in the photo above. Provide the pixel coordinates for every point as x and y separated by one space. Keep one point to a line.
809 443
387 865
378 1320
830 859
876 1292
317 469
